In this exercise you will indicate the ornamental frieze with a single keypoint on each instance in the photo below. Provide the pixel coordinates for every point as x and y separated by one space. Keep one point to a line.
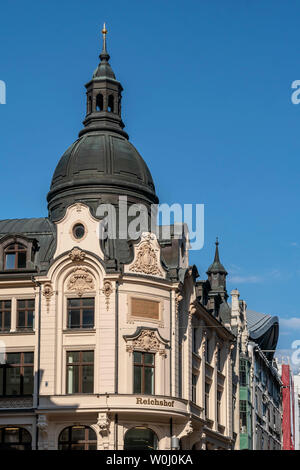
81 281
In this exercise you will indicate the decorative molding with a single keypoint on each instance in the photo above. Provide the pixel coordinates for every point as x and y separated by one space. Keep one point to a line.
147 257
76 255
81 281
42 424
147 340
47 293
107 291
178 298
192 310
103 422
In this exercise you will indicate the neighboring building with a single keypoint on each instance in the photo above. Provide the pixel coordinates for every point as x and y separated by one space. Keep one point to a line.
110 344
256 378
288 407
297 410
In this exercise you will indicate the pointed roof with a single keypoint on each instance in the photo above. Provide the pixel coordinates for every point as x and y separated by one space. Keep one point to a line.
104 69
217 266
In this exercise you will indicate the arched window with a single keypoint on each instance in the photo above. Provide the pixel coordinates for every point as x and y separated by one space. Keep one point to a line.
99 102
140 438
110 107
14 439
77 438
15 256
89 110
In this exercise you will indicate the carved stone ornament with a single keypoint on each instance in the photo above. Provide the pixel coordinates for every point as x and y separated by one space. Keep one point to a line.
192 309
77 255
147 341
178 298
103 423
107 291
42 423
147 257
81 281
47 293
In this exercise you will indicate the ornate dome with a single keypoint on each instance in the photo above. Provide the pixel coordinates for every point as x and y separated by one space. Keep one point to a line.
97 166
102 164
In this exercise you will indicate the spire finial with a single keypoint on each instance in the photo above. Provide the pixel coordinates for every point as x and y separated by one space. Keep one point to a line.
104 33
217 258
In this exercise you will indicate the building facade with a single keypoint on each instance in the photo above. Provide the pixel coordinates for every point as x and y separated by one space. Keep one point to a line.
110 343
256 378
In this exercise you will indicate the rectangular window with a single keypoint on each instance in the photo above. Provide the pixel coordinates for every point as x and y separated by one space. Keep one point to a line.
143 373
5 315
195 342
243 373
219 399
16 374
207 388
81 313
219 366
25 314
243 416
80 372
207 355
194 387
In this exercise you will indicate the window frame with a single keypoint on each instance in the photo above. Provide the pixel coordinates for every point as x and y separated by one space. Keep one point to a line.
143 367
21 365
25 309
4 310
30 245
21 431
80 308
86 442
15 248
80 365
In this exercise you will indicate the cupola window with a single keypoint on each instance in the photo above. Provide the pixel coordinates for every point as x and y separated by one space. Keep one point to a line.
110 107
99 102
15 256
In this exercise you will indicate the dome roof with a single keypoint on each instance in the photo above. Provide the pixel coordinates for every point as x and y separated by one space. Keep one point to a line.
98 164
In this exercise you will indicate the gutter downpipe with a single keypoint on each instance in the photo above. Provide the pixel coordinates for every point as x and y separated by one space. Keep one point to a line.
171 336
38 284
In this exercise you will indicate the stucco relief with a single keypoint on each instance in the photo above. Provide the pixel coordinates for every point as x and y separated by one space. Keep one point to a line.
76 255
81 281
147 341
107 291
147 256
47 293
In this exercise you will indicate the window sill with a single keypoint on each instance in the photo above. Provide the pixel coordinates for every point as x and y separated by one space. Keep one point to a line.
18 332
79 330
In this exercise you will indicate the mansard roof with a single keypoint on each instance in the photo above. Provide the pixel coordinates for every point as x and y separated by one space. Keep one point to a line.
264 330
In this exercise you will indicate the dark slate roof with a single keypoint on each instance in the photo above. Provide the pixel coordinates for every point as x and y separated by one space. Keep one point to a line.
264 330
40 229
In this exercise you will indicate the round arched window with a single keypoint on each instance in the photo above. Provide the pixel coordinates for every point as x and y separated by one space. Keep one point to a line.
77 438
140 438
12 438
78 231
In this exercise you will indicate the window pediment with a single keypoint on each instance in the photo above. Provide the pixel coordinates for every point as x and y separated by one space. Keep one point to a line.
146 340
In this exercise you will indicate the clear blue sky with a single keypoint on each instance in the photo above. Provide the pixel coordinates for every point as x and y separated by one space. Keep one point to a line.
207 102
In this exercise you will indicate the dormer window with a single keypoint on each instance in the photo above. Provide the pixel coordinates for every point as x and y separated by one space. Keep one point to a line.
15 256
17 253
